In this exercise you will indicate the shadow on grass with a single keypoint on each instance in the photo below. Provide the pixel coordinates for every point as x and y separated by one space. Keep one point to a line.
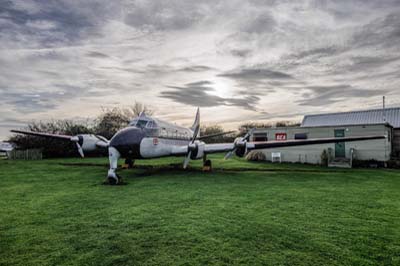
148 170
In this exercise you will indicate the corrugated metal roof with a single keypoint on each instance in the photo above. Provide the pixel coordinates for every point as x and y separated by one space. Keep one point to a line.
354 118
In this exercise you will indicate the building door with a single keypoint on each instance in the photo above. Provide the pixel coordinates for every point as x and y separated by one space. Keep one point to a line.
340 149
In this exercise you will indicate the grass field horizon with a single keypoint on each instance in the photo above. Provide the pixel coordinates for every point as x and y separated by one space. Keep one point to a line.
58 212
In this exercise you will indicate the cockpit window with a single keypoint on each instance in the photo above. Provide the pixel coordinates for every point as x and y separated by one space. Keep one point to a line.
141 123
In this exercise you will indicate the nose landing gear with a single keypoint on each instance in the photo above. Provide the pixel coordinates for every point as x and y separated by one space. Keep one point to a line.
114 180
112 177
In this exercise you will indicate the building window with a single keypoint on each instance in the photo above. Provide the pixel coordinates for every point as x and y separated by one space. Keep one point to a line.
301 136
260 137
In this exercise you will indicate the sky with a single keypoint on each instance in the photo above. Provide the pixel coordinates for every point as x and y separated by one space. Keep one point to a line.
237 60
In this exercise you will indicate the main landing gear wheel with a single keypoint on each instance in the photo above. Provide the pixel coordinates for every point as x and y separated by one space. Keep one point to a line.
129 163
207 166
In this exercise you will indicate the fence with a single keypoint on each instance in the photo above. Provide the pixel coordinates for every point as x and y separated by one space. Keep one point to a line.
33 154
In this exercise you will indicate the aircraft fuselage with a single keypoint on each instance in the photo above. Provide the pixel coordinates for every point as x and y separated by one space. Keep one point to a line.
141 143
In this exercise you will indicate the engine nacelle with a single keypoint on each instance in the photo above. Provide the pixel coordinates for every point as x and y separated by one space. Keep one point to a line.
198 151
88 142
240 146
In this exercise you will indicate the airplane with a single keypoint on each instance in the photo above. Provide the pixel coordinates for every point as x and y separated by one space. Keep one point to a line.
148 137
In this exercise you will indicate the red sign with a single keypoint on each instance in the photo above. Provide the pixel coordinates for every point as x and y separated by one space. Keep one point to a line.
155 141
280 136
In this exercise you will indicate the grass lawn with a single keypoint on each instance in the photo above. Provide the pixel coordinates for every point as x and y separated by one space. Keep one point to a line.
55 212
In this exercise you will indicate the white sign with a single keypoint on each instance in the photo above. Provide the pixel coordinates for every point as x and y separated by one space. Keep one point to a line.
276 157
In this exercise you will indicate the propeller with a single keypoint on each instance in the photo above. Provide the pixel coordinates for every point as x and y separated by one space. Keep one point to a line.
80 150
76 140
192 145
240 143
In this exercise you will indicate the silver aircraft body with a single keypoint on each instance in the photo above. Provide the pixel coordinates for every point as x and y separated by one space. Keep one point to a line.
147 137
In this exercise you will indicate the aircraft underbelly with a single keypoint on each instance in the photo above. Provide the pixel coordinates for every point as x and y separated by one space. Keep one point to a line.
159 147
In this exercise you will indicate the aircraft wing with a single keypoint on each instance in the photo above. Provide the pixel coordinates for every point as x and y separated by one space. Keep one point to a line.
84 142
289 143
40 134
224 147
218 147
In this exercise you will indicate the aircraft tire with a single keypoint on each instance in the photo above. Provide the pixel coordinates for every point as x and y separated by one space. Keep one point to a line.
207 166
112 181
129 163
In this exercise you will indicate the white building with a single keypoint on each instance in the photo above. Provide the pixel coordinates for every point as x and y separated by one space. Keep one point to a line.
348 124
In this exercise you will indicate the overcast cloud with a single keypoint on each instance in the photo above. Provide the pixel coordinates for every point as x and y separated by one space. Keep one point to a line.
237 60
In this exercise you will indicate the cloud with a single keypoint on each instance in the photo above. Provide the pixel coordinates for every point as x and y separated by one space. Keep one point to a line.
41 24
96 54
33 101
196 68
199 94
371 63
382 32
161 15
325 95
241 52
257 74
61 59
317 52
262 23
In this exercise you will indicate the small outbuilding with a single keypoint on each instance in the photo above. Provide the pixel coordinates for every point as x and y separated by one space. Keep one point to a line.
348 124
366 117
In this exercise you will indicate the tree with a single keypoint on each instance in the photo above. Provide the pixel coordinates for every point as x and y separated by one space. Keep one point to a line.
136 109
110 121
287 124
216 129
243 128
113 119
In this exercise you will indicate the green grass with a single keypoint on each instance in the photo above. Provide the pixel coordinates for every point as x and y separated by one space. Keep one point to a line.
241 214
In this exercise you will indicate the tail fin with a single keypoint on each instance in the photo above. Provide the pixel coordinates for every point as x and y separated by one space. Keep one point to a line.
196 124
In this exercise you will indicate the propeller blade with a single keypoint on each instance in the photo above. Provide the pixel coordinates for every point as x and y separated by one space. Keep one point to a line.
196 129
229 154
80 150
187 159
195 133
248 134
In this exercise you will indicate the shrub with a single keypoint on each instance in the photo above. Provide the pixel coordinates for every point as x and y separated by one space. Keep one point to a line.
256 156
368 163
394 164
324 158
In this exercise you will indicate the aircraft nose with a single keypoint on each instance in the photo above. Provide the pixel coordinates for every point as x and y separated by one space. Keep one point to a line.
127 142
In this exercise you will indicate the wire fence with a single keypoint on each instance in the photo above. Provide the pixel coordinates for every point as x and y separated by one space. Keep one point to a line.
33 154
